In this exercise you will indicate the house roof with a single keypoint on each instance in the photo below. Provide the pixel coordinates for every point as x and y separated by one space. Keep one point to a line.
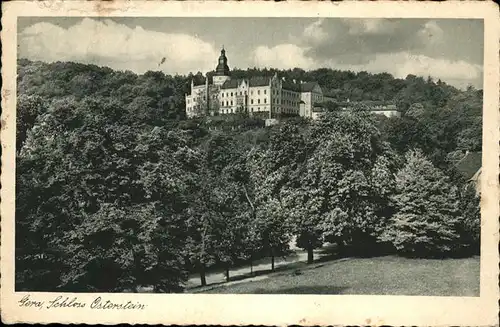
476 176
307 86
372 105
291 86
470 164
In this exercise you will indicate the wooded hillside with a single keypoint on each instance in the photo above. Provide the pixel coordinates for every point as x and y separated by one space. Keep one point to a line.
111 177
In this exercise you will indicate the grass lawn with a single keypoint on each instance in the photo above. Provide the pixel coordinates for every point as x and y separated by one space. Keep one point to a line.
378 276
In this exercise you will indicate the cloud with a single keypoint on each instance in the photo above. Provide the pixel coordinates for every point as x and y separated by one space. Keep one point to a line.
369 26
400 64
105 42
430 34
315 32
399 47
448 49
282 56
356 41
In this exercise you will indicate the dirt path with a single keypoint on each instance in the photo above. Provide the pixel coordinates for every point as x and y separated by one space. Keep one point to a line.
259 266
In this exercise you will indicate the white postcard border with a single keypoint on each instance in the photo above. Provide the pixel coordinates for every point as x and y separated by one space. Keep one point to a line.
262 309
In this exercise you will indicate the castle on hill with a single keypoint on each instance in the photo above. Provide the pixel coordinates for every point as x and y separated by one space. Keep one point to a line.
264 97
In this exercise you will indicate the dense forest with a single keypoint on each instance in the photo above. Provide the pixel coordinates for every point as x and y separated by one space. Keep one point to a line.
112 177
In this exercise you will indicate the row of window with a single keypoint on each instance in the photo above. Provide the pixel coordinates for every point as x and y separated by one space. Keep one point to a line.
258 101
193 108
290 94
229 103
275 101
279 110
241 93
290 102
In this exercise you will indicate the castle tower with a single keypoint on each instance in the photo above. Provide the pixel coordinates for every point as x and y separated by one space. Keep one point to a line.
222 70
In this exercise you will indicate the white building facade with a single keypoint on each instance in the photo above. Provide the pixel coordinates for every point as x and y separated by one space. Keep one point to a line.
264 97
267 97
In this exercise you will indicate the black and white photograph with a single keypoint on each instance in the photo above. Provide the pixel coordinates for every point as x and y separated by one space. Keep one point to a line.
248 155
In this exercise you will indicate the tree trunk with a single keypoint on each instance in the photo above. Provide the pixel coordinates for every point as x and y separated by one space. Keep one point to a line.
310 255
227 273
272 260
203 277
251 266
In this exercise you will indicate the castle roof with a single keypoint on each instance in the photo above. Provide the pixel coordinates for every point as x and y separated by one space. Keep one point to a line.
231 84
265 80
222 67
259 81
253 81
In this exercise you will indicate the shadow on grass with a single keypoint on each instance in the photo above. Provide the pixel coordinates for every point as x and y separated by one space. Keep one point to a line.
280 269
317 289
329 253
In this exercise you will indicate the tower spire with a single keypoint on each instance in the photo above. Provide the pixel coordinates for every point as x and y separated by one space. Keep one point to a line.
222 67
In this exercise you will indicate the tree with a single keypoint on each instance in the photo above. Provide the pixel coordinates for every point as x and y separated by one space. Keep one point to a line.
272 169
97 187
470 227
28 108
221 208
350 175
304 210
271 225
427 210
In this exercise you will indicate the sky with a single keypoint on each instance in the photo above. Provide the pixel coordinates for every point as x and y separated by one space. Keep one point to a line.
446 49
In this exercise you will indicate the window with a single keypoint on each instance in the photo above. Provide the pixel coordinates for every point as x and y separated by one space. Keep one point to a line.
251 101
258 92
265 91
231 93
258 100
251 92
231 102
265 100
245 92
241 93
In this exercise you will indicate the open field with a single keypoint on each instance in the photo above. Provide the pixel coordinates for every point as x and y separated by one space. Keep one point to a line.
388 275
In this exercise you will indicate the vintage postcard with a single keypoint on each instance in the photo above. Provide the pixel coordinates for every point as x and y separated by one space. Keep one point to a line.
250 163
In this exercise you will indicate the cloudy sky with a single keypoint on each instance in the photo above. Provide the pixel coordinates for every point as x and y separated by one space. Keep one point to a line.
450 49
